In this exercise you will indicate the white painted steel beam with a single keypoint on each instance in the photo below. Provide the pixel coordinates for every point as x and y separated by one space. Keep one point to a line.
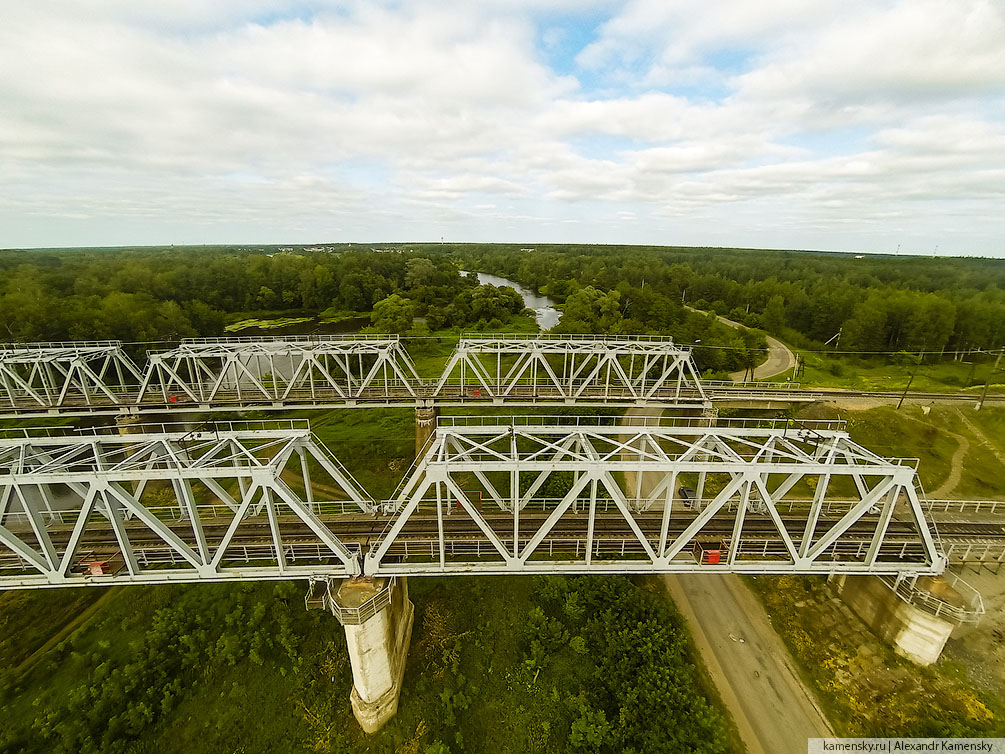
215 374
94 374
571 369
281 370
580 495
168 506
583 479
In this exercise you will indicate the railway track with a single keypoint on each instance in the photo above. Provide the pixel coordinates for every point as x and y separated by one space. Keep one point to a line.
362 532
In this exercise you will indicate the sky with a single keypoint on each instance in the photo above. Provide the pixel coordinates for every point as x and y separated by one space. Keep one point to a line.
850 125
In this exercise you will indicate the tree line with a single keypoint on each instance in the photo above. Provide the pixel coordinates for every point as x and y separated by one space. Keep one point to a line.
864 303
173 293
165 294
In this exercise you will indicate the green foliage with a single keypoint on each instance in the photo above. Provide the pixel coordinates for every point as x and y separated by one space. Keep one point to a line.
242 667
106 694
897 698
168 294
634 664
392 314
590 311
881 303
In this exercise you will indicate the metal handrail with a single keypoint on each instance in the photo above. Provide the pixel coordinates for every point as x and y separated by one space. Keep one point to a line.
907 590
644 421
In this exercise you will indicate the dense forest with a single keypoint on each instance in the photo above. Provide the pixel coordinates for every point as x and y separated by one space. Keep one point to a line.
875 303
506 664
145 296
850 304
149 295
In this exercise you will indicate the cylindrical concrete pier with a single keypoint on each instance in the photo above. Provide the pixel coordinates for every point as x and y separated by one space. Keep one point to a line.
425 425
377 616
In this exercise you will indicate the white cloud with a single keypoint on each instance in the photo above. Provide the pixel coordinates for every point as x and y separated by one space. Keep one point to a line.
829 120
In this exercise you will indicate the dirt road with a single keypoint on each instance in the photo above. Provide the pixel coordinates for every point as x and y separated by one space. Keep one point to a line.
773 710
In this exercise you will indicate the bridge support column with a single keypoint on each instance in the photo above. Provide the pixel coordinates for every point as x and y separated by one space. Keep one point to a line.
126 424
425 425
710 413
913 632
377 616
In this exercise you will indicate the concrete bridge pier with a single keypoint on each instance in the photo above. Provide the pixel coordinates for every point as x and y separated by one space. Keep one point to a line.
126 423
377 616
915 616
710 414
425 424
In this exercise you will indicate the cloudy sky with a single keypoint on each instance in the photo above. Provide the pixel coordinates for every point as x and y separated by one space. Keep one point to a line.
829 124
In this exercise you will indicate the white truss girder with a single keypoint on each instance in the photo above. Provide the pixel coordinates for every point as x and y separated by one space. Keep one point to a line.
270 502
584 498
169 506
572 368
49 375
281 370
210 374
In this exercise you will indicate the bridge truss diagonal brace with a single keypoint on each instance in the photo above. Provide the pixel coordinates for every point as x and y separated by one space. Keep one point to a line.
751 513
238 484
280 370
89 374
570 369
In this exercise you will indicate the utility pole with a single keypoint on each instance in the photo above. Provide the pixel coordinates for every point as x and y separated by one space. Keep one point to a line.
970 375
987 382
908 387
984 392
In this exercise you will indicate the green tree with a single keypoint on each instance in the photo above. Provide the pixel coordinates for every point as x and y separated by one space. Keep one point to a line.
590 311
773 316
392 314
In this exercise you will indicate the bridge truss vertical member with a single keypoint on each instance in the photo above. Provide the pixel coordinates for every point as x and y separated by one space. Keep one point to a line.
53 375
231 503
572 368
251 371
563 497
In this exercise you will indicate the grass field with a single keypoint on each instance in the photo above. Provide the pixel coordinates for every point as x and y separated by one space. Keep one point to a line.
886 374
934 438
865 688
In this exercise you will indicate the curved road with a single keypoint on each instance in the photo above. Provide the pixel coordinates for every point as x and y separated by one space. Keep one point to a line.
780 357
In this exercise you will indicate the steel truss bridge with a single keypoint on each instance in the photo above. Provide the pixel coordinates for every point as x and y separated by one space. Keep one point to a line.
531 495
235 374
226 374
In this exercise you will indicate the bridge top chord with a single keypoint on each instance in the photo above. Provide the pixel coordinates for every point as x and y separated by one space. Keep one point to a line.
731 445
625 423
12 353
576 343
215 347
243 446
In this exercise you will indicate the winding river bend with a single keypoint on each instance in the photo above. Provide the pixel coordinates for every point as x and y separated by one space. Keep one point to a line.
544 308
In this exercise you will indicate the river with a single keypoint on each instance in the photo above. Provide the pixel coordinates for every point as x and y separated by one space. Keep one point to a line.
544 308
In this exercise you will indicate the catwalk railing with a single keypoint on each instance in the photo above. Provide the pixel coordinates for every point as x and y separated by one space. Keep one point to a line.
268 501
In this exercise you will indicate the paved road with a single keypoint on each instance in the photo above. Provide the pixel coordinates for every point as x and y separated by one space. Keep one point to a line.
780 360
773 709
780 357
